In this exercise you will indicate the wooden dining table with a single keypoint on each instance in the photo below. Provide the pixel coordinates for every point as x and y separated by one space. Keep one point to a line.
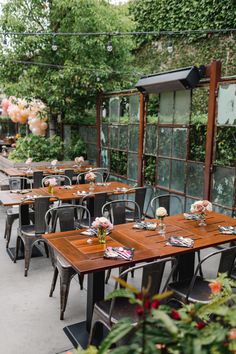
87 258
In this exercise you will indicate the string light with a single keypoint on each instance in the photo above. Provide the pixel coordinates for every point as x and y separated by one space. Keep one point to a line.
109 46
54 45
170 48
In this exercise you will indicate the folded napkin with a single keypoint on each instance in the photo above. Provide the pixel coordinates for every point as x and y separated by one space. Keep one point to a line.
179 241
230 230
20 191
124 253
188 216
145 225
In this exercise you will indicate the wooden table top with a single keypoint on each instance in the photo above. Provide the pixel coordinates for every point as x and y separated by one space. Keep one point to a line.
149 245
47 170
9 198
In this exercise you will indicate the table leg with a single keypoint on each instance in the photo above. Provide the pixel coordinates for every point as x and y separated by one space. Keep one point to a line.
78 333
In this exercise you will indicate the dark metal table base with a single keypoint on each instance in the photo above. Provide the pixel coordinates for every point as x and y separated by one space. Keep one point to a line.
78 335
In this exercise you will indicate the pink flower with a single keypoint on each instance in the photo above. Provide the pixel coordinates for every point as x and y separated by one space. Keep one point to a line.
79 159
102 223
215 287
90 177
51 182
201 206
5 104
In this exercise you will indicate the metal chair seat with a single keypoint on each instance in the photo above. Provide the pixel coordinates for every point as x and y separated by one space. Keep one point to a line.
28 230
63 262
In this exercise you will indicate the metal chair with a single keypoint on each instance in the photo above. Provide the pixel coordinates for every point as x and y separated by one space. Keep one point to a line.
197 288
69 173
28 233
94 205
60 179
116 212
12 213
69 218
110 312
103 171
164 201
81 177
37 179
140 194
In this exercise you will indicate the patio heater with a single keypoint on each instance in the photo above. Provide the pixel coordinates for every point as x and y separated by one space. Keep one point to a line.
174 80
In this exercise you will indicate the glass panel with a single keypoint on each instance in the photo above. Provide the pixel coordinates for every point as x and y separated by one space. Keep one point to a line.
163 171
165 137
123 138
114 109
166 107
134 108
83 133
104 158
92 134
150 169
152 108
178 175
179 141
104 135
223 186
195 180
227 105
114 137
197 142
225 145
175 206
189 202
221 210
133 166
67 134
105 111
91 152
118 162
124 110
182 107
133 137
151 139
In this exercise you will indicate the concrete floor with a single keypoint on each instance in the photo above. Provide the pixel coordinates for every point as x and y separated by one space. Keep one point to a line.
29 319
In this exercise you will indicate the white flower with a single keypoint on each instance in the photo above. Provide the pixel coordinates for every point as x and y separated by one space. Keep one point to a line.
54 162
161 212
29 161
51 182
90 177
79 160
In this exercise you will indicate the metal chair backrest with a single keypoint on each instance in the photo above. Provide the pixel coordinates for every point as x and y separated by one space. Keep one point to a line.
69 217
95 204
226 264
37 179
103 171
20 183
81 177
60 179
164 201
116 210
152 277
140 194
41 206
69 173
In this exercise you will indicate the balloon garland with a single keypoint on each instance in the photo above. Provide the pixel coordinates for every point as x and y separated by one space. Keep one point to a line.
21 111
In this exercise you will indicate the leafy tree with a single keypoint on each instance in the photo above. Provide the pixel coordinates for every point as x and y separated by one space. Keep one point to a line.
79 67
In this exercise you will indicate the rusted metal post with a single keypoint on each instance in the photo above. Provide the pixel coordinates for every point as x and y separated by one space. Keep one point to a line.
141 138
214 72
98 126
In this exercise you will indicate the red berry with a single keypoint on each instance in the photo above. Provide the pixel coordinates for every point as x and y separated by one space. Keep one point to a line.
155 304
139 310
147 304
200 325
175 315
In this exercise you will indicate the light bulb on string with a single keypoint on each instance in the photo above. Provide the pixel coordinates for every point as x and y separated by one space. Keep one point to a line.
109 46
5 39
54 45
170 48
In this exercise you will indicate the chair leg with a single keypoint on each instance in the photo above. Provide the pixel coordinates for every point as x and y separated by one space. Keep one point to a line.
54 281
81 281
199 260
108 276
18 242
64 291
27 255
46 249
8 233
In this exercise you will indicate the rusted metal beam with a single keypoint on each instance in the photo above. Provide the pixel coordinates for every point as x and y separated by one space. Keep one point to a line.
141 138
98 126
214 72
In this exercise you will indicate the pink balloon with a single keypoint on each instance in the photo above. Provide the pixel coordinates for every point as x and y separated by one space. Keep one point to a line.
44 125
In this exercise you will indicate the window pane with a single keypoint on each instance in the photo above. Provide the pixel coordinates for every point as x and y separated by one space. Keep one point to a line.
133 137
92 134
178 175
104 135
134 108
163 171
91 152
114 137
165 137
83 133
223 186
123 138
179 140
114 109
195 180
151 139
118 162
227 105
104 158
182 107
133 166
166 107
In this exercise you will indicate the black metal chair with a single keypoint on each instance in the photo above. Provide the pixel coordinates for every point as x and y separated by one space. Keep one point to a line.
69 173
60 179
110 312
116 211
139 198
94 205
31 234
12 213
164 201
81 177
69 217
197 288
103 171
37 179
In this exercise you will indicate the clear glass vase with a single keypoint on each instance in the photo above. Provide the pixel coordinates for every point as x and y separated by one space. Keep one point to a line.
91 186
202 220
161 227
102 235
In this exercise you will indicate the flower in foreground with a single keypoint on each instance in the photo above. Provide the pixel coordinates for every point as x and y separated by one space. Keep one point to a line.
215 287
200 325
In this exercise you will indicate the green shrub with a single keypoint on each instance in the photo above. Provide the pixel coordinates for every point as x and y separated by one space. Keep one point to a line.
76 148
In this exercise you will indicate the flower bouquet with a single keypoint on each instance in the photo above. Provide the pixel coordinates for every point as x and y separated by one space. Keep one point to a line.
54 164
79 161
90 177
51 182
103 225
160 214
201 207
